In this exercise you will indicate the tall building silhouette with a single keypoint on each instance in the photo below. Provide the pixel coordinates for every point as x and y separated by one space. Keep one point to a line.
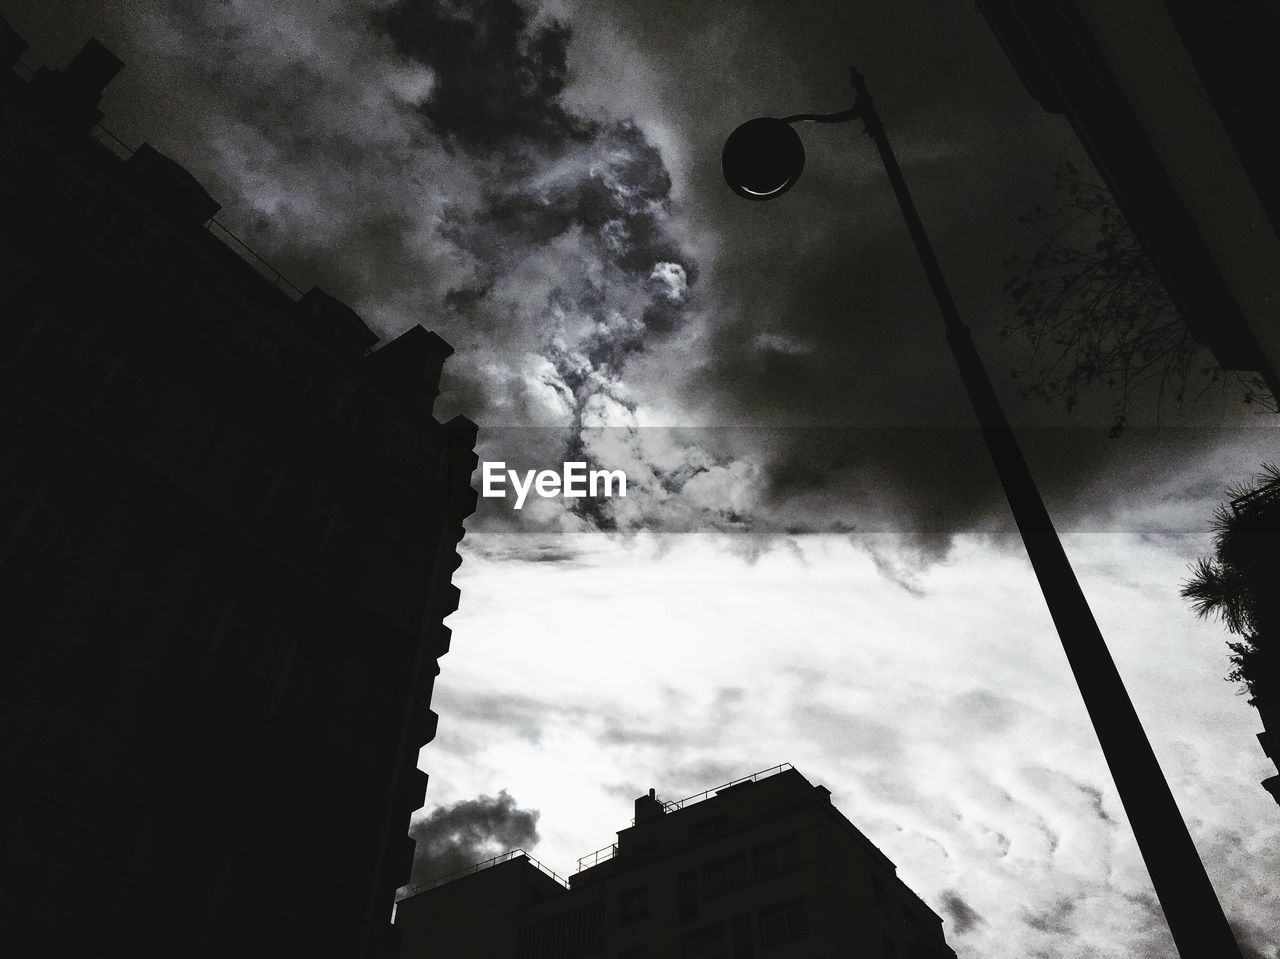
762 867
228 522
1173 103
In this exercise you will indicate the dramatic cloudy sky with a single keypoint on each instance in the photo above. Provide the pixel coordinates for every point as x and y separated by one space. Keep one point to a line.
814 565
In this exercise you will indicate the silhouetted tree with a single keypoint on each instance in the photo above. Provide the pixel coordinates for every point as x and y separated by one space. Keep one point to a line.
1241 585
1096 313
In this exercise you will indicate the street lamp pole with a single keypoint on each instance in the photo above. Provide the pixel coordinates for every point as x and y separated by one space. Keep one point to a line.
1191 908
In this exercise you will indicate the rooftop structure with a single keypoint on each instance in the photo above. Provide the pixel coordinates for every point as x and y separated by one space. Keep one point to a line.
762 866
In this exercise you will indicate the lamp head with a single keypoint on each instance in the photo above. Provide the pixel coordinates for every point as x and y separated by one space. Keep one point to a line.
762 158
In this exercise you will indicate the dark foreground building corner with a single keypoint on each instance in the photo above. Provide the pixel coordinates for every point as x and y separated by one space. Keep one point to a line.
1173 103
228 525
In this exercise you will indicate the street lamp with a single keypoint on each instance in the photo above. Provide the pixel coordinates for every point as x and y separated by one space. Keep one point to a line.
762 159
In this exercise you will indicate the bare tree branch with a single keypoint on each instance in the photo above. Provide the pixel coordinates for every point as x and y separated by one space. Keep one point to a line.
1095 314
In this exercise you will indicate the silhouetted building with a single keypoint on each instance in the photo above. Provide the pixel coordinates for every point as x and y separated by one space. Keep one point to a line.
764 866
227 530
1174 100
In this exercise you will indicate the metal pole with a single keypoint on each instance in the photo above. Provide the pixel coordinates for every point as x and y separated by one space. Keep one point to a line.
1191 907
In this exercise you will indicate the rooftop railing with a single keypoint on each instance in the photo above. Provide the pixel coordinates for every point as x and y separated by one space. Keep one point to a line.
213 225
247 253
609 852
595 858
111 142
478 867
668 806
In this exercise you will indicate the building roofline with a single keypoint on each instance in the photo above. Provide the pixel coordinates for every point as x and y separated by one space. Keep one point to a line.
511 855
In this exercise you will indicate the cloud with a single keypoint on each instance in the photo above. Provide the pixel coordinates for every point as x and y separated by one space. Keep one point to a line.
1057 919
540 183
963 916
569 237
453 837
498 75
949 730
904 578
514 711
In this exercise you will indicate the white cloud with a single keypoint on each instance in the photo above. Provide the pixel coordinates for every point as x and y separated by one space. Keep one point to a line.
674 278
949 728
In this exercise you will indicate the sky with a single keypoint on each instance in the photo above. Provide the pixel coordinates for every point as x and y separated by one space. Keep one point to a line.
814 563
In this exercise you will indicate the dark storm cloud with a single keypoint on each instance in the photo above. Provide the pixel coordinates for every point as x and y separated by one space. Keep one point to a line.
612 194
499 80
546 193
418 160
814 322
962 915
823 315
454 837
577 205
499 76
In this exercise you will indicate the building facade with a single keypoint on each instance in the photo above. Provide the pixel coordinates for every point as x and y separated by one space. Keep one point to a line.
1172 100
762 867
228 523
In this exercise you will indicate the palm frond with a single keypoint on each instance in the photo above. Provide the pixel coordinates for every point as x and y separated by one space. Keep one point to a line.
1217 590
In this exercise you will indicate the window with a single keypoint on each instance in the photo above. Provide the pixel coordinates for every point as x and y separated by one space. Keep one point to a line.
569 935
93 374
633 905
635 952
646 849
775 857
912 919
708 827
724 874
344 405
744 945
882 898
687 895
32 530
226 632
890 950
786 920
705 943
